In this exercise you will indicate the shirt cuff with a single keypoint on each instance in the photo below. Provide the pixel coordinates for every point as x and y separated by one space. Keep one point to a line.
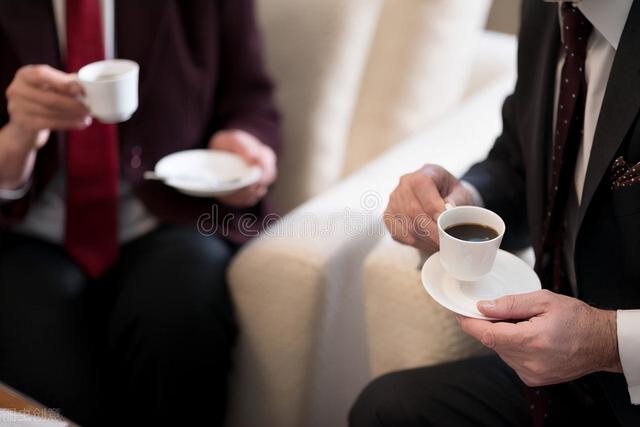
628 323
13 195
475 194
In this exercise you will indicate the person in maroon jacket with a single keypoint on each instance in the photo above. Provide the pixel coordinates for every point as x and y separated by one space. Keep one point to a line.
113 301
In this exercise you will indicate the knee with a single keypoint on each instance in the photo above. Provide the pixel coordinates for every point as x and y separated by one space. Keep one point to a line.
386 401
184 298
56 284
189 312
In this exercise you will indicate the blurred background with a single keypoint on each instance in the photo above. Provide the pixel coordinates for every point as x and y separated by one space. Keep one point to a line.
357 77
503 16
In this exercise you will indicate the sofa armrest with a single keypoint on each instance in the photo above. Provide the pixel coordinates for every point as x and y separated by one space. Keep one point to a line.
406 328
298 300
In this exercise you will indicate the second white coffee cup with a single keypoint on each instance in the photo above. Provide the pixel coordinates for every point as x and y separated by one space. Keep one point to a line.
111 89
468 260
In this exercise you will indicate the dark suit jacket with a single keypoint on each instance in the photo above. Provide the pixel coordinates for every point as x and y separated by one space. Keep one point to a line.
513 179
200 71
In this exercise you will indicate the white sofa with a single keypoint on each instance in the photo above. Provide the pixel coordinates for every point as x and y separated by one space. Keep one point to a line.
357 76
305 349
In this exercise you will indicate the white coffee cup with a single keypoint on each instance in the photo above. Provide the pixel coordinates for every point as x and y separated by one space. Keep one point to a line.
111 89
468 260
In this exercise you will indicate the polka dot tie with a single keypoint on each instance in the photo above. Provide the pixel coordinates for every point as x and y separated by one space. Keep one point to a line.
566 142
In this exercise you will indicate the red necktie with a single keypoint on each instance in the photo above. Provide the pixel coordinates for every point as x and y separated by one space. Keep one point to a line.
92 157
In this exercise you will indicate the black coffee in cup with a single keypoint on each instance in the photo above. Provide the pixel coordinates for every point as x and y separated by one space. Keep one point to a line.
472 232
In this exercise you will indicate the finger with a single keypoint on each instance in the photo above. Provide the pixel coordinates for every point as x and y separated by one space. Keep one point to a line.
38 123
242 200
428 195
254 192
517 307
222 141
48 99
31 108
473 327
268 165
459 196
493 335
418 224
425 229
406 221
397 223
236 142
422 225
49 78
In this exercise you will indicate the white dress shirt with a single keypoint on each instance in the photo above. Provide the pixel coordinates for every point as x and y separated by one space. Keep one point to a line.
46 217
608 20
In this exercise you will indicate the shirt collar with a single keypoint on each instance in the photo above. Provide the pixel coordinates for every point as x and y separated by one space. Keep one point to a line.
607 17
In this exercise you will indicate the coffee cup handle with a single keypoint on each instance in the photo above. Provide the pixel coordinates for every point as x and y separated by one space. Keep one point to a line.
448 206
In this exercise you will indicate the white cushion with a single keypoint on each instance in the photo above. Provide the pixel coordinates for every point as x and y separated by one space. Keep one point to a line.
316 52
417 70
494 59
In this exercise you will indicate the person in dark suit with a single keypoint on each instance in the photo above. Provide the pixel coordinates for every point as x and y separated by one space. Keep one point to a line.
565 177
113 302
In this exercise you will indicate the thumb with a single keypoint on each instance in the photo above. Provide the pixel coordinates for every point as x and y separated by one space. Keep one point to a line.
516 307
459 196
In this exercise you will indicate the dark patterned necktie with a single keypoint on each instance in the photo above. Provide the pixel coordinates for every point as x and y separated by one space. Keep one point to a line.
567 139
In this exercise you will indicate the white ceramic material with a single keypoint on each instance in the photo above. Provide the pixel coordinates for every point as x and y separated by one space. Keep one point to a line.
111 89
510 275
468 260
206 173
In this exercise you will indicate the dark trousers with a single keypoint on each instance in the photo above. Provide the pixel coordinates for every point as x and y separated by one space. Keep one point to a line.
481 391
148 344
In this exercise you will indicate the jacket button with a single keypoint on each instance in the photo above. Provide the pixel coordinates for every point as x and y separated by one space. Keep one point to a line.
136 162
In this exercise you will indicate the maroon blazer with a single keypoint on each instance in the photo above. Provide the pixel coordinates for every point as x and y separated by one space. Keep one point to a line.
201 70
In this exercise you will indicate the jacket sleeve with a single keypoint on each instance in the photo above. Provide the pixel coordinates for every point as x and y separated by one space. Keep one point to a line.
500 179
10 201
245 99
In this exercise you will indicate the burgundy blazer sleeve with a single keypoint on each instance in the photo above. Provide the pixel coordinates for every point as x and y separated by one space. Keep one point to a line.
245 96
8 209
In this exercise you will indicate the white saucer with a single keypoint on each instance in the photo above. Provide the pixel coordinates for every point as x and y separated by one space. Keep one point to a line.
510 275
206 173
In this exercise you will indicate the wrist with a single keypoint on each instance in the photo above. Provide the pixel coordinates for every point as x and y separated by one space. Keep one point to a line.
608 348
23 139
18 150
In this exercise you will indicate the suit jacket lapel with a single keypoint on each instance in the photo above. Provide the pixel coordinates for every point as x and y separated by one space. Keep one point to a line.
31 28
619 108
539 118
